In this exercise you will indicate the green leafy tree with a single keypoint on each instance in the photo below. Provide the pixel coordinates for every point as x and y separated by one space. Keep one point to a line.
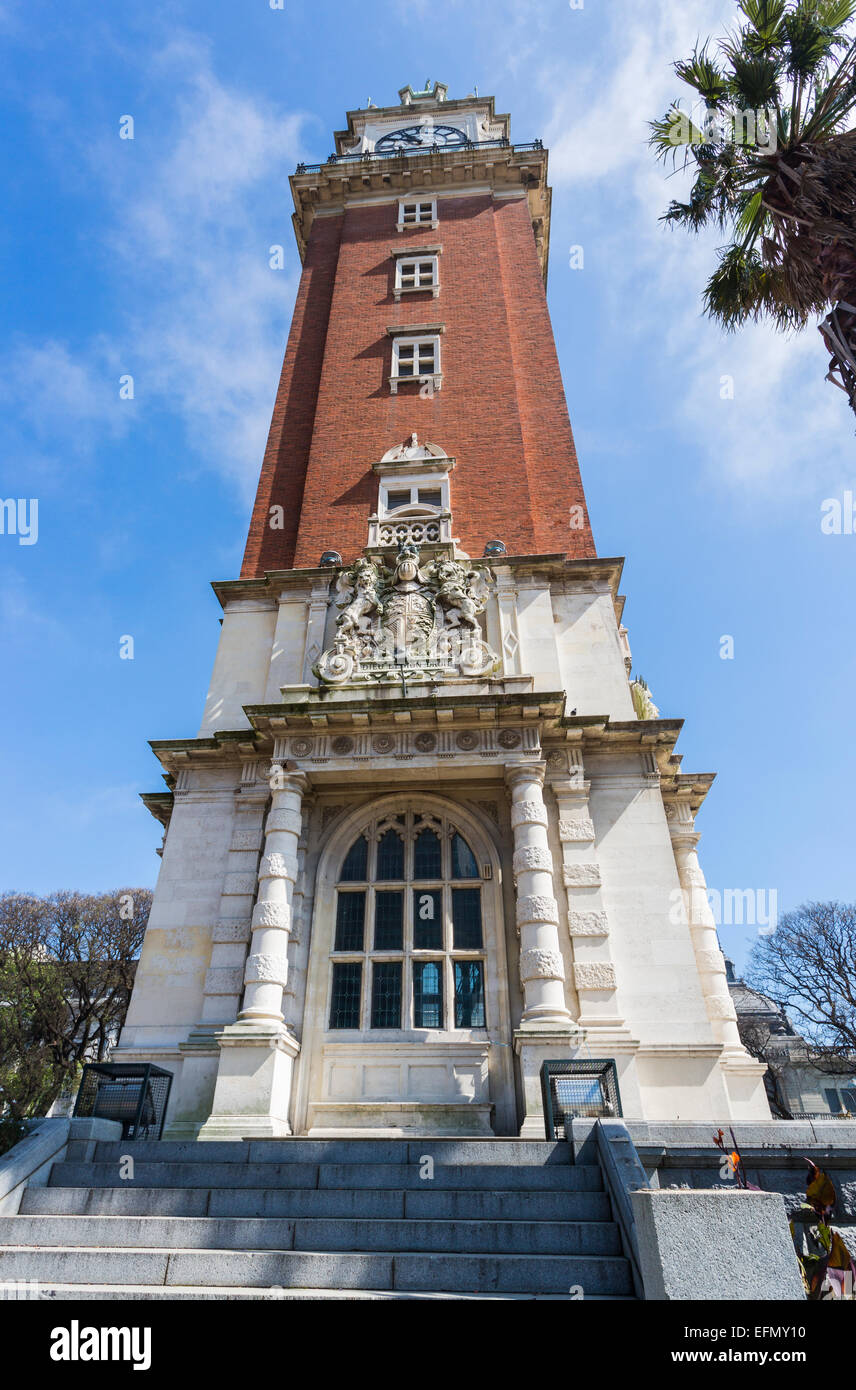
767 138
67 965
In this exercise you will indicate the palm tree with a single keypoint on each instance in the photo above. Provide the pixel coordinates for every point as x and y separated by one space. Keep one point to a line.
775 167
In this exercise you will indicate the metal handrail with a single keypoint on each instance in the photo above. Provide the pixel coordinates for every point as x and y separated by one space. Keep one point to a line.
374 156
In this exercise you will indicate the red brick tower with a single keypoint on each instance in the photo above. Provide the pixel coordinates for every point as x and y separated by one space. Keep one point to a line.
427 837
421 309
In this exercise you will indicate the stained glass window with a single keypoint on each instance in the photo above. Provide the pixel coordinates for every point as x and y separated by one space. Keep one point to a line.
345 998
386 994
427 855
350 921
428 994
469 994
466 919
355 868
389 921
420 942
463 860
390 856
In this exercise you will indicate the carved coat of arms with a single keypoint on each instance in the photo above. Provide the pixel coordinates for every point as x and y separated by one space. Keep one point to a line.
407 619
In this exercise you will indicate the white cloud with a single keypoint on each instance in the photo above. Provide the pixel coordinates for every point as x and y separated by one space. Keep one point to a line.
785 429
195 201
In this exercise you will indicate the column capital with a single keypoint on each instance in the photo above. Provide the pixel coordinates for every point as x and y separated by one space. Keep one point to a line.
288 779
525 770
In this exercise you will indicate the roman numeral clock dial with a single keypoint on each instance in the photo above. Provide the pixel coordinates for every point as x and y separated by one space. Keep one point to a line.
421 137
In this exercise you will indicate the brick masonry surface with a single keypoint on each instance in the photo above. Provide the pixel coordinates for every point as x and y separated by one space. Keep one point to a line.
501 411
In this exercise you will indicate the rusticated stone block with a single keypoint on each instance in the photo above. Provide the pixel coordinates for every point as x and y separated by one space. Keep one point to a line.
532 857
588 924
581 875
528 813
272 915
540 964
266 969
576 831
595 975
537 908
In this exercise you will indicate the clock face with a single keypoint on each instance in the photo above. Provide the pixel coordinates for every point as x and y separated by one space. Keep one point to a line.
421 137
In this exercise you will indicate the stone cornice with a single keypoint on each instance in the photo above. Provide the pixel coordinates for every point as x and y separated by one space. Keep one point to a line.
555 568
313 714
502 168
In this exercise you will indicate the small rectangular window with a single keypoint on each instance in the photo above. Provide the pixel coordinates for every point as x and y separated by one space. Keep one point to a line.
430 497
466 919
420 212
469 994
428 994
833 1101
345 1001
398 499
386 994
350 921
416 359
416 274
389 921
428 919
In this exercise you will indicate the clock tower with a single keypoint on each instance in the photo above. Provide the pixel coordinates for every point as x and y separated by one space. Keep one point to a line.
428 835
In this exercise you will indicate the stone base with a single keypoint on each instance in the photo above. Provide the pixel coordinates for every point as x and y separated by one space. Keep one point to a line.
399 1119
715 1245
252 1096
534 1044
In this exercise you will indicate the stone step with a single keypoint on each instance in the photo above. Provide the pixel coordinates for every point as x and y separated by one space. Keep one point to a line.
480 1177
272 1233
302 1202
196 1294
361 1151
408 1273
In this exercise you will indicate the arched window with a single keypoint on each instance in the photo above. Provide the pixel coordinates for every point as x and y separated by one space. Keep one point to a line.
408 952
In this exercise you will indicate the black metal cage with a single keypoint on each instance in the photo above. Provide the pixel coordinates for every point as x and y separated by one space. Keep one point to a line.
582 1089
134 1093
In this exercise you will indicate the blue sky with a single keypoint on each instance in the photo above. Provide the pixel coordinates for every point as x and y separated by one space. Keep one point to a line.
150 257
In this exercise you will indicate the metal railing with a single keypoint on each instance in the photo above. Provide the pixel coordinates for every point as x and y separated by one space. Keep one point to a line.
429 152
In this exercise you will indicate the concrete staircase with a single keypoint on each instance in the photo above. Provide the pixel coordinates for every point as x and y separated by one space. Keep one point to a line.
320 1218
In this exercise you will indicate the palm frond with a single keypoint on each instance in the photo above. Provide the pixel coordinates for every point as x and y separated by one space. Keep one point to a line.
676 131
701 73
765 20
743 288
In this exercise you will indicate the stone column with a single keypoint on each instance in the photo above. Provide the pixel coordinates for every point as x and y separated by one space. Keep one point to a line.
266 970
257 1053
547 1031
542 972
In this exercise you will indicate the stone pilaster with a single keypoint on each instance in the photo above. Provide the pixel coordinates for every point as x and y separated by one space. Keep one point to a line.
547 1032
588 926
702 924
253 1091
224 980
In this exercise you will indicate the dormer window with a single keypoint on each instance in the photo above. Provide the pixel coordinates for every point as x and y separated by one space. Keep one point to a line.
413 501
417 213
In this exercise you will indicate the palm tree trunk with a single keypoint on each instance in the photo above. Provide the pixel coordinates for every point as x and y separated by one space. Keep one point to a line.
839 333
